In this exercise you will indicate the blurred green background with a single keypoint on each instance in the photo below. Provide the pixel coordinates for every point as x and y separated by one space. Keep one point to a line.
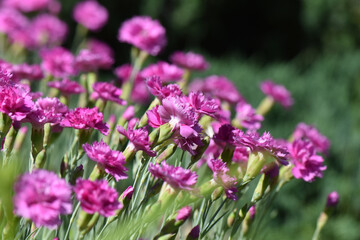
311 47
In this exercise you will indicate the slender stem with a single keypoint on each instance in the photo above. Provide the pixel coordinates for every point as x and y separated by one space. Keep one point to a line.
71 221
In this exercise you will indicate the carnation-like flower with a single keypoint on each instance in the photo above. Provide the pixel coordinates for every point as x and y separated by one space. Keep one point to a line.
112 161
184 213
28 5
144 33
47 30
138 138
304 131
307 165
58 62
85 118
164 70
158 90
42 197
89 61
97 197
177 177
204 105
189 60
247 116
277 92
219 87
67 87
99 47
107 92
12 20
91 14
26 71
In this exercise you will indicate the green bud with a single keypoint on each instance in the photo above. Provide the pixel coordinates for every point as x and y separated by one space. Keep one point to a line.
168 152
166 131
216 194
40 159
232 218
257 161
265 106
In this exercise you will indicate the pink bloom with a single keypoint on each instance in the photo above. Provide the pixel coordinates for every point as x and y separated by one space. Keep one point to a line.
123 72
100 47
97 196
67 87
42 197
94 58
203 104
241 154
220 176
248 117
85 118
46 110
307 165
332 199
29 72
252 212
128 193
144 33
138 138
112 161
12 20
58 62
176 177
184 213
90 14
129 113
164 70
158 90
194 233
304 131
277 92
107 92
47 30
28 5
219 87
189 60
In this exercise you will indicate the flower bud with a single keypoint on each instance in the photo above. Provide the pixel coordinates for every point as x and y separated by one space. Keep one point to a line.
332 200
168 152
232 218
257 161
78 173
216 194
194 233
19 140
201 149
166 131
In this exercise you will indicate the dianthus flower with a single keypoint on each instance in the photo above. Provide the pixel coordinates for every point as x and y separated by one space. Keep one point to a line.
158 90
89 61
219 87
28 5
189 60
204 105
91 14
42 197
247 116
26 71
177 177
100 47
97 197
85 118
307 165
67 87
107 92
304 131
138 138
277 92
164 70
241 154
184 213
46 110
332 199
12 20
58 62
112 161
144 33
47 30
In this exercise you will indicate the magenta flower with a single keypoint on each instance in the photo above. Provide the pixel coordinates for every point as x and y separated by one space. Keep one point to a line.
29 72
123 72
107 92
42 197
91 14
138 139
100 47
332 199
28 5
144 33
304 131
219 87
177 177
189 60
128 193
112 161
307 165
241 154
247 116
97 197
164 70
158 90
204 105
129 113
11 20
277 92
67 87
184 213
89 61
58 62
46 110
47 30
85 118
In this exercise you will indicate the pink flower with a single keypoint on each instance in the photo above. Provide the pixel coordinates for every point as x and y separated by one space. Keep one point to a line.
184 213
158 90
85 118
123 72
248 117
129 113
164 70
42 197
177 177
67 87
28 5
11 20
252 212
277 92
107 92
138 138
47 30
332 199
29 72
189 60
58 62
46 110
90 14
100 47
97 197
144 33
241 154
128 193
203 104
112 161
304 131
219 87
307 165
89 61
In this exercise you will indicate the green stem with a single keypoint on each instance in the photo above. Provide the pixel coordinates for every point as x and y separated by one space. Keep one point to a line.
71 221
